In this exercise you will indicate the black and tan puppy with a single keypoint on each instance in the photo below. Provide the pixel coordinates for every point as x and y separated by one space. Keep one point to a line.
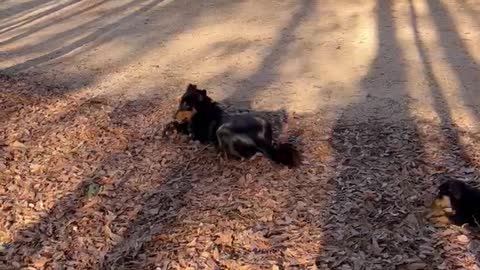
239 136
459 202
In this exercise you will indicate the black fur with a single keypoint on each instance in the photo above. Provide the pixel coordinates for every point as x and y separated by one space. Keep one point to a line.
208 115
175 126
239 136
464 201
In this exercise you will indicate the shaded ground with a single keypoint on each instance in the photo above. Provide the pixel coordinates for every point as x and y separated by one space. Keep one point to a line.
380 96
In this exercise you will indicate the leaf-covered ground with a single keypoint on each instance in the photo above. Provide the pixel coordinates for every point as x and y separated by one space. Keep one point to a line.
89 183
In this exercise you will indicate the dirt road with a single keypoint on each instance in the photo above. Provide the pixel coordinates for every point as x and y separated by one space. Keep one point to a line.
303 56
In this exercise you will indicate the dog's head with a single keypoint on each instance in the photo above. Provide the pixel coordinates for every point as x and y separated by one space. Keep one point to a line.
193 98
453 188
449 191
191 102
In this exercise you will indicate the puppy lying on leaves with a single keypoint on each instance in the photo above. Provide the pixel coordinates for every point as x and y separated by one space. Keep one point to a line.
457 202
238 136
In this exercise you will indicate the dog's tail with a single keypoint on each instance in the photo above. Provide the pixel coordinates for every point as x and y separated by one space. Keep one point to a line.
282 153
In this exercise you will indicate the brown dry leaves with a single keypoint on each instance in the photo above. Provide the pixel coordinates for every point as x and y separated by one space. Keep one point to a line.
386 178
88 183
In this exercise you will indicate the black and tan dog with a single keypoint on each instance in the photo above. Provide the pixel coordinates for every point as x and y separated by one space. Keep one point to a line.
458 202
238 135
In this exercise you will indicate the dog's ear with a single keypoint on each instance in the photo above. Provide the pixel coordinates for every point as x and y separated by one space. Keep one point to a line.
191 87
204 97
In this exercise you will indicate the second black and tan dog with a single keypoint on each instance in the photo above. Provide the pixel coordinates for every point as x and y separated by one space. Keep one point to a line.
458 202
238 135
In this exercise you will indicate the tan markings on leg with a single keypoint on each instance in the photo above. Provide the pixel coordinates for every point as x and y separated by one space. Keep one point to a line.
443 204
441 210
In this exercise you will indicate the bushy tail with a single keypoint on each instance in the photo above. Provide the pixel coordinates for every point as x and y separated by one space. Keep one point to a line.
283 153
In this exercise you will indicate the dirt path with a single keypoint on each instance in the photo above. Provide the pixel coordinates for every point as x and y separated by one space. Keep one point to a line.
303 56
381 97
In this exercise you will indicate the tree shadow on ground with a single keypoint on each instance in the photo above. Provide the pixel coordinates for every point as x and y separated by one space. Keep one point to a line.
386 169
116 148
462 63
101 26
267 72
49 23
5 28
91 39
471 10
20 8
452 144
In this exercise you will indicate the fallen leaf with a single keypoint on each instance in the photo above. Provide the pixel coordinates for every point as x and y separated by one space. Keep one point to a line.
205 254
34 168
216 254
17 144
463 239
225 238
375 247
192 243
416 266
5 237
39 262
114 237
